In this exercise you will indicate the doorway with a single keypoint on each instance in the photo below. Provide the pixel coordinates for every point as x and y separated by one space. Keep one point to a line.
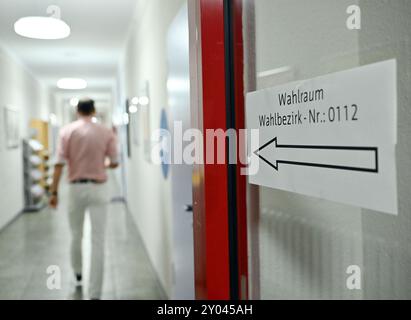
178 88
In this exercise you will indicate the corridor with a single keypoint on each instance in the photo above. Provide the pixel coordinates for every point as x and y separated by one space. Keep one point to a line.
35 241
60 65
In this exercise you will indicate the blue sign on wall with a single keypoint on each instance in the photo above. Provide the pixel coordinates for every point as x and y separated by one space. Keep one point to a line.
165 167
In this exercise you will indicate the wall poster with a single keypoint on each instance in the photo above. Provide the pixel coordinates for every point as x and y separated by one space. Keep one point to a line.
11 128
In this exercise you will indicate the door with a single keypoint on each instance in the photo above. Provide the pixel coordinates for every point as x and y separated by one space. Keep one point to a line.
308 247
178 88
219 190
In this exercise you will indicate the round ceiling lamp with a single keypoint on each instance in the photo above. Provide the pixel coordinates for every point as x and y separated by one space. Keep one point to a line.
135 100
133 109
144 101
72 84
44 28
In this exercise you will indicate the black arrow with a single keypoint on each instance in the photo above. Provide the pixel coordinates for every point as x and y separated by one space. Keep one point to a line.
325 150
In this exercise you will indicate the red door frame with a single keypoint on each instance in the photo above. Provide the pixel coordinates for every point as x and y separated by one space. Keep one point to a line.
239 105
219 191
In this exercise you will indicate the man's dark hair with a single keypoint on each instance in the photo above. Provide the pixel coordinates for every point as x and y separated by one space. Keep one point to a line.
86 107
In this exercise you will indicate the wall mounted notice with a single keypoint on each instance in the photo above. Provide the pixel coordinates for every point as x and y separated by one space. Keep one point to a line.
332 137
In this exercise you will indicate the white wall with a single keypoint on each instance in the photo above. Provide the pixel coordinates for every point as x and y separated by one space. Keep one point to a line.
149 195
386 35
20 91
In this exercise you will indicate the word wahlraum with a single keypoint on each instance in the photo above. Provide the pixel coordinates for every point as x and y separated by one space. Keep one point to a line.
297 97
288 99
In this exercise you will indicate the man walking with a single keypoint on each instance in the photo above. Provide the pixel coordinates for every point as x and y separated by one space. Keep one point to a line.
85 147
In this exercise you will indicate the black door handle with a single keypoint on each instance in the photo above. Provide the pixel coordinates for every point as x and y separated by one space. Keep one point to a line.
188 208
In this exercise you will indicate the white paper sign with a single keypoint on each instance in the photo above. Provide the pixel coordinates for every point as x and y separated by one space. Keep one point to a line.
332 137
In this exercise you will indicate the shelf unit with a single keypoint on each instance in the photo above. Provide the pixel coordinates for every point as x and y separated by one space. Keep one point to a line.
34 191
36 166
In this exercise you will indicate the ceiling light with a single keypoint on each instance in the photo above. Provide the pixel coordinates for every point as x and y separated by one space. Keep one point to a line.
144 101
135 100
72 84
45 28
133 109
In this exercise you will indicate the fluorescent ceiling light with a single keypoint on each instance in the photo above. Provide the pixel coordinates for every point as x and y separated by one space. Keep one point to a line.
45 28
72 84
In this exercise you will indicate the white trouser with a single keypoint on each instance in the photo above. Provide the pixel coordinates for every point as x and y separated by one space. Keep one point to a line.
94 198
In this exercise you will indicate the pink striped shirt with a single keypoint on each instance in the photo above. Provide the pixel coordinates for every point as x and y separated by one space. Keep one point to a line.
84 146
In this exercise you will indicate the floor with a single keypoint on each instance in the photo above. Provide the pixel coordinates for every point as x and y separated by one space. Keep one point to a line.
36 241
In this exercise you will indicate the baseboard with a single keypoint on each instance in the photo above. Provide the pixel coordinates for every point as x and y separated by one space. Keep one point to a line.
12 220
119 200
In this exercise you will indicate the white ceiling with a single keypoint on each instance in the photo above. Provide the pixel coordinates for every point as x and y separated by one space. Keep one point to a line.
99 29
